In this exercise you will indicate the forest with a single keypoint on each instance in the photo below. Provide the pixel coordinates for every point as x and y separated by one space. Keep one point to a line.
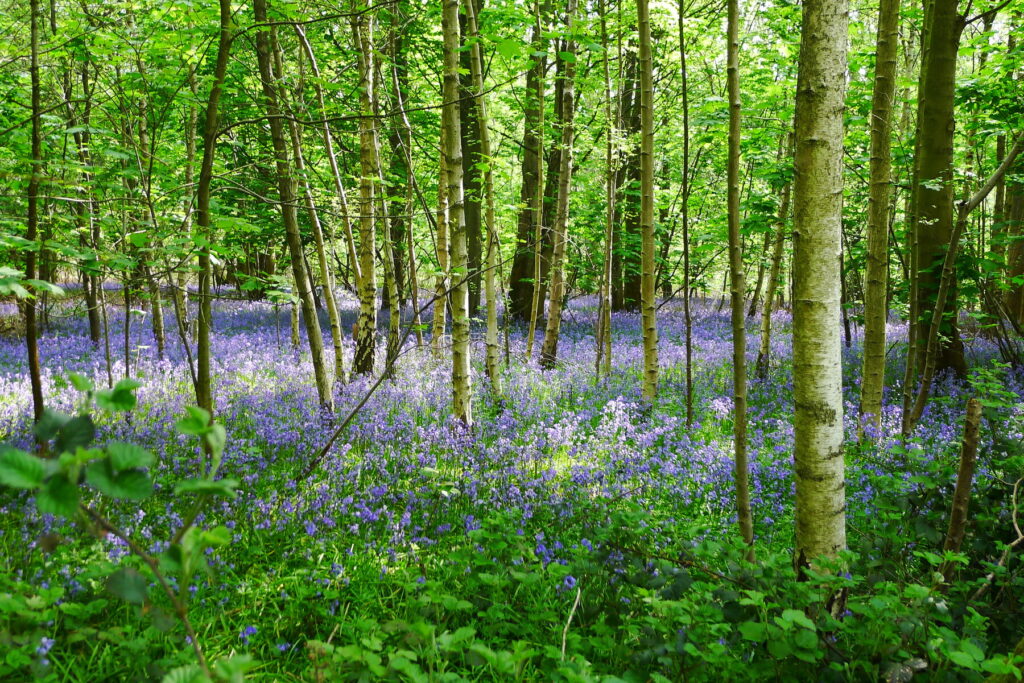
547 340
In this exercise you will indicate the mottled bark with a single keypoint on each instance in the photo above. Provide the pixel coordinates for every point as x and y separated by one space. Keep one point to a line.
817 203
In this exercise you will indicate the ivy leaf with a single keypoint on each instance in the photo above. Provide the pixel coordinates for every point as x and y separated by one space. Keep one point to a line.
132 484
126 456
20 470
58 497
129 585
76 432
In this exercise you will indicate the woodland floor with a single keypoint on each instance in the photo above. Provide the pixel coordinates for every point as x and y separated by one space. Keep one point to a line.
459 551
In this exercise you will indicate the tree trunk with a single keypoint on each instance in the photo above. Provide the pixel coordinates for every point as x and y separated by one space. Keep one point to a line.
492 362
737 287
549 348
32 226
472 156
366 325
461 380
761 367
876 311
538 201
603 361
817 204
647 293
933 175
204 387
521 276
286 188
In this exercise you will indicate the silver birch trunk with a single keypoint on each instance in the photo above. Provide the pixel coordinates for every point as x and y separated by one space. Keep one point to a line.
817 204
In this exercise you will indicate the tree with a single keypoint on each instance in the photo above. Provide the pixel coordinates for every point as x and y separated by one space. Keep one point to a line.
462 405
737 288
286 187
549 349
647 303
876 279
817 216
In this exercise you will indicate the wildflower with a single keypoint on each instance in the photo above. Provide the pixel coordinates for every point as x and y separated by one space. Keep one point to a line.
246 632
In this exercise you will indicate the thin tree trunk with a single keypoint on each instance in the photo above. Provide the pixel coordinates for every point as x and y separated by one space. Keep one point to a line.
492 361
366 325
687 316
876 311
538 197
647 294
204 388
603 360
32 226
962 493
817 203
287 190
441 247
326 280
461 379
549 348
737 290
761 367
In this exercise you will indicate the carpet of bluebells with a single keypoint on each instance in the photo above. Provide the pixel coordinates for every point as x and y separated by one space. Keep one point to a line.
545 543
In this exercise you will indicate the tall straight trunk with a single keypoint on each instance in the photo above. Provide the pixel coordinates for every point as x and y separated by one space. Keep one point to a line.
737 289
761 366
404 140
286 187
339 185
685 217
817 203
876 311
520 292
32 226
462 405
441 246
366 325
326 280
491 359
538 197
204 386
400 213
933 174
549 348
759 283
603 362
647 300
472 156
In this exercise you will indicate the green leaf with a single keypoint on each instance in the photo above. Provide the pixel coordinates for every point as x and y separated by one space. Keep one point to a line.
197 423
126 456
20 470
752 630
76 432
49 424
58 497
216 438
119 399
186 674
509 48
44 286
220 487
132 484
80 382
129 585
217 536
795 616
